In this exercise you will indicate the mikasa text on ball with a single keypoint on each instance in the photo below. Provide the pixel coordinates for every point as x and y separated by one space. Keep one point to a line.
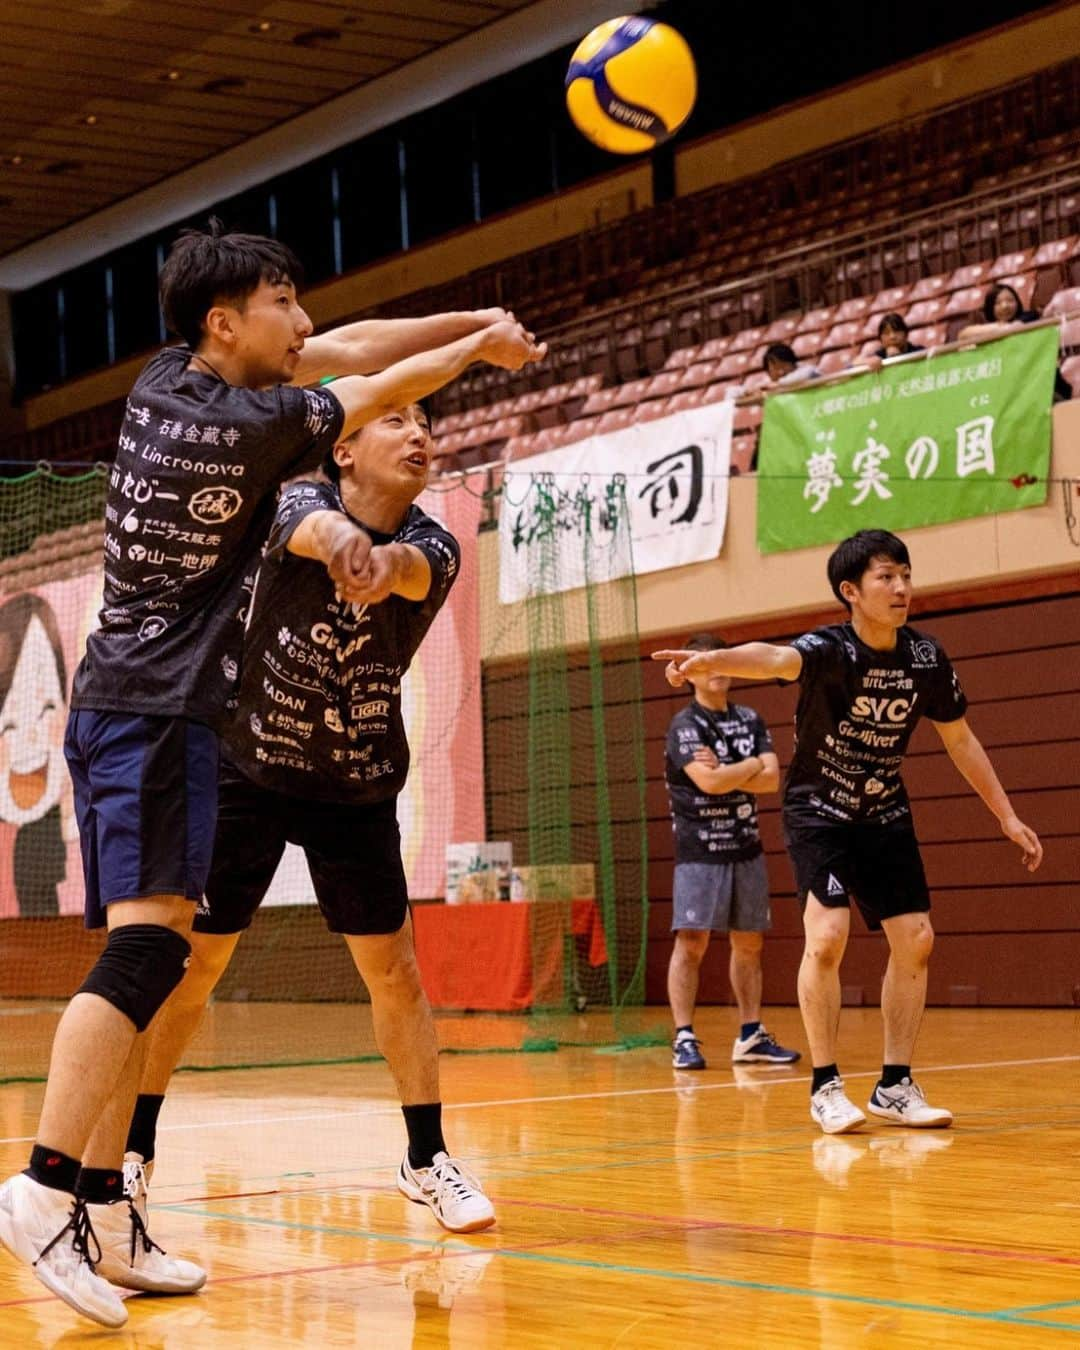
631 84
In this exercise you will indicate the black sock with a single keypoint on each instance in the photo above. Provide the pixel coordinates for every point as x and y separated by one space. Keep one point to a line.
53 1169
892 1075
424 1124
100 1185
142 1134
688 1028
748 1029
822 1076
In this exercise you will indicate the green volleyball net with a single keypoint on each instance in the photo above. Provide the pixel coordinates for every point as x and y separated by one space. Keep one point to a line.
523 825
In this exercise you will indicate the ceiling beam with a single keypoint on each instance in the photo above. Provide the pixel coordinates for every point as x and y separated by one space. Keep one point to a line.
422 83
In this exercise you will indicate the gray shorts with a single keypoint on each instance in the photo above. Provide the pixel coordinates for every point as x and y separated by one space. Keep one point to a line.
721 896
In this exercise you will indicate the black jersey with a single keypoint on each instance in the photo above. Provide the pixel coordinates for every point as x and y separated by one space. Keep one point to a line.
857 710
190 501
710 826
319 710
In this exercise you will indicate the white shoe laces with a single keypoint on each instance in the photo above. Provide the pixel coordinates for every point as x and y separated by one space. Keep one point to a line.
450 1175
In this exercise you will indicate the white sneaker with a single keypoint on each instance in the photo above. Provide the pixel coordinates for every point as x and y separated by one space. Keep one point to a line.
450 1191
831 1109
133 1260
137 1176
905 1104
51 1232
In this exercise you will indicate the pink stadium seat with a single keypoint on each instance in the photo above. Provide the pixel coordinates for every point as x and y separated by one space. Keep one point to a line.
583 386
807 345
757 379
528 403
929 288
817 320
717 392
931 335
687 398
1066 301
968 301
650 411
748 417
742 455
663 385
682 357
971 274
783 330
600 401
854 308
833 361
699 374
630 394
926 311
868 348
613 420
748 337
1056 251
1071 370
450 444
735 366
1010 264
842 335
715 348
449 424
1070 334
890 299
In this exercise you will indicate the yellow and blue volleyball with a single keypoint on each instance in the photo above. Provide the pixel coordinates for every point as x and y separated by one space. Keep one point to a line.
631 84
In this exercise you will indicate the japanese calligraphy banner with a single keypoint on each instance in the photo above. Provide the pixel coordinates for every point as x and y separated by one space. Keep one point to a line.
675 472
921 443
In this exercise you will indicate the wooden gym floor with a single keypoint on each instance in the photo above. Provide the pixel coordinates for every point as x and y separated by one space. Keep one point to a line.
637 1207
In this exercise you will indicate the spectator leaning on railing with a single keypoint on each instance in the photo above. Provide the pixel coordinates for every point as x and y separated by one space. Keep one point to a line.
893 334
1002 312
782 365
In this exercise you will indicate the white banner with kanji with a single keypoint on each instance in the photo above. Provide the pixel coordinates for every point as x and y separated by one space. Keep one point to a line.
560 508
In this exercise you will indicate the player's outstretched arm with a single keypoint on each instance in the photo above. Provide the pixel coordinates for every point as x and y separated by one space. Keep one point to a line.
343 548
967 753
749 661
366 397
371 345
394 569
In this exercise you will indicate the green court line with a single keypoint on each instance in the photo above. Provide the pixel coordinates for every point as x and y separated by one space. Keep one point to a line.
1010 1318
1044 1307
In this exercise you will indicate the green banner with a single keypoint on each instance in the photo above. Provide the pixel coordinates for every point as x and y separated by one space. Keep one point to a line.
962 434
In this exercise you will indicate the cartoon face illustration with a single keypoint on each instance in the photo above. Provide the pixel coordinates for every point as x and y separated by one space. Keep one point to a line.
33 682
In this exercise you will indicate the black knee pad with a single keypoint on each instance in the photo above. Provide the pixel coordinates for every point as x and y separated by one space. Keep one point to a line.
140 967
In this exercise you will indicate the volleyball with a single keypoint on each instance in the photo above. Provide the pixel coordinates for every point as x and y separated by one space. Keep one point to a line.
631 84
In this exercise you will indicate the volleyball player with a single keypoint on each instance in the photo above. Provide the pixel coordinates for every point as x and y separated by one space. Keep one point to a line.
210 428
316 756
864 685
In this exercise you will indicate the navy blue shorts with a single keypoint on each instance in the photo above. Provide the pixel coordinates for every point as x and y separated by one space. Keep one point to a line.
353 856
146 803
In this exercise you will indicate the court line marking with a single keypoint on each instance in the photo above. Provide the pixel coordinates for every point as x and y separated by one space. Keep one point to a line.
786 1081
1015 1318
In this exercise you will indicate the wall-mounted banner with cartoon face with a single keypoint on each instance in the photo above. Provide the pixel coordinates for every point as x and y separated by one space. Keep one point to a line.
42 637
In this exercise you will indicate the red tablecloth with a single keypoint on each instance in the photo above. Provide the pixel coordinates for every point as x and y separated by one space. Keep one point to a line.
501 957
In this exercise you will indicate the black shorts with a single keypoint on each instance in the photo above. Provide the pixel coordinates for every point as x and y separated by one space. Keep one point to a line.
877 866
353 854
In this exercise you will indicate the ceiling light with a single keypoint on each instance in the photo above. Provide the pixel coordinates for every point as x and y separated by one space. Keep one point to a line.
90 119
171 75
263 26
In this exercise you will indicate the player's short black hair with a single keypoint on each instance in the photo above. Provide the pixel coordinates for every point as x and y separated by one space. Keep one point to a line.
704 642
206 267
779 351
852 556
895 321
330 465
